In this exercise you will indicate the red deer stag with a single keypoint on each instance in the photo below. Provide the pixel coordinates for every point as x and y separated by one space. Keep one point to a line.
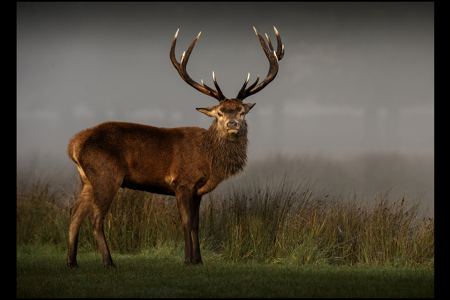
186 162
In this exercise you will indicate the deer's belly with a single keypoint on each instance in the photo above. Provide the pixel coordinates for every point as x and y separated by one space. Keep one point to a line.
148 186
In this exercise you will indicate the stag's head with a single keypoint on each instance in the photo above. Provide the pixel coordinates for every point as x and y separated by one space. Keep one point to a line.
230 113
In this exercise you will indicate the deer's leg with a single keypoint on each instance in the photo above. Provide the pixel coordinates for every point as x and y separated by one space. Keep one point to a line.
104 196
186 208
78 212
197 258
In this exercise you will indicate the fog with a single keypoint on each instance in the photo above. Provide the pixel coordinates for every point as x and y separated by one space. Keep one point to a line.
355 77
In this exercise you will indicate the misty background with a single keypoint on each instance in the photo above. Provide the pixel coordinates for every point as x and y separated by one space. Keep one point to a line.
356 77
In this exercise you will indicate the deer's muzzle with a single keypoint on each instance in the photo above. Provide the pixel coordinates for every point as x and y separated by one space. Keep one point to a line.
233 127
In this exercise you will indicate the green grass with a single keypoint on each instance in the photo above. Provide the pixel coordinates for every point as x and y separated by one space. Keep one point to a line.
160 272
274 238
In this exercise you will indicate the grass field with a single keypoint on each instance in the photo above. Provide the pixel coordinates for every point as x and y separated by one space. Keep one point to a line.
160 272
269 238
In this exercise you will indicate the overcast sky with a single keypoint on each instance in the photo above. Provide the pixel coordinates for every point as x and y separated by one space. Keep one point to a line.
354 75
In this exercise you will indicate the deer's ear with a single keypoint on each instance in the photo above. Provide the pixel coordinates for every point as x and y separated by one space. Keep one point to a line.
248 106
209 111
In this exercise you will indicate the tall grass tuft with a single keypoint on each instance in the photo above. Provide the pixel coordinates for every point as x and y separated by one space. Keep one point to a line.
280 223
276 221
138 220
41 216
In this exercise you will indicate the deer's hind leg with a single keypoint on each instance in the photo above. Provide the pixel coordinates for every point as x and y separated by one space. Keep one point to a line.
104 191
78 212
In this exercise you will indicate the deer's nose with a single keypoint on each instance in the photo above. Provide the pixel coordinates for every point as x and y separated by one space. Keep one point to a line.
232 125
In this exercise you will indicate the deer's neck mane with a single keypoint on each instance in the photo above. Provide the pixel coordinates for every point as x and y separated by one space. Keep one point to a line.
229 156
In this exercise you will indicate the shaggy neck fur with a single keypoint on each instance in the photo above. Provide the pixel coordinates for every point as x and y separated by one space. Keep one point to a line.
228 154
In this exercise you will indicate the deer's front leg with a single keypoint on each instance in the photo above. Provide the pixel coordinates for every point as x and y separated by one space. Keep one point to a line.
186 208
197 258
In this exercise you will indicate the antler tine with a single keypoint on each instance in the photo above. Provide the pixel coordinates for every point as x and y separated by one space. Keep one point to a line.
186 55
181 68
254 83
209 88
273 57
263 43
172 52
280 46
270 44
217 87
241 91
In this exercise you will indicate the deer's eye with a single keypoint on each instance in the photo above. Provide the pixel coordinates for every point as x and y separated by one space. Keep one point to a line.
219 114
242 113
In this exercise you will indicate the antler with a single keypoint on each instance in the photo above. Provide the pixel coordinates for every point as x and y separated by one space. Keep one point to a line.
181 68
273 58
